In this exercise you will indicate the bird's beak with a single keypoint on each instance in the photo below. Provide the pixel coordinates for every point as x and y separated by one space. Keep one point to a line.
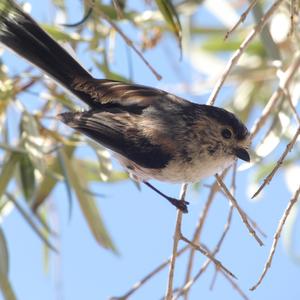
242 154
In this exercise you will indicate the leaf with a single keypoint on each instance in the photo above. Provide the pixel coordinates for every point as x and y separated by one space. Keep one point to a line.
105 165
169 12
67 181
49 182
31 222
87 204
7 171
27 178
108 73
216 43
60 35
5 285
33 142
6 288
3 254
116 176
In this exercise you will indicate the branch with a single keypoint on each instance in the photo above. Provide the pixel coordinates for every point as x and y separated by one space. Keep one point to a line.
241 19
205 252
282 221
238 53
196 236
240 211
284 84
140 283
288 148
177 234
188 284
128 41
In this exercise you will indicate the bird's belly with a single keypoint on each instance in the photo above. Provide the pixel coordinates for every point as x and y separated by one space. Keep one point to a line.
184 172
193 172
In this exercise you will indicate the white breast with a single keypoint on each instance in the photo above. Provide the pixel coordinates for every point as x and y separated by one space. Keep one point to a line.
185 172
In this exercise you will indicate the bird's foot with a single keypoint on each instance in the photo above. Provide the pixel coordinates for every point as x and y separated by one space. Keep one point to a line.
180 204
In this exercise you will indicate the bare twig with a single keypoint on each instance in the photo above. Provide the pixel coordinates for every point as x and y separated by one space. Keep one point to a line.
294 11
288 148
235 286
209 255
140 283
240 211
284 84
241 19
255 225
213 190
289 99
277 236
238 53
214 279
188 284
128 41
177 234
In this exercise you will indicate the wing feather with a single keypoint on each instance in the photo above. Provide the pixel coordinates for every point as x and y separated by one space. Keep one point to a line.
120 133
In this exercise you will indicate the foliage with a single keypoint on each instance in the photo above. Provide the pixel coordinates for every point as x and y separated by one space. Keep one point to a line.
37 155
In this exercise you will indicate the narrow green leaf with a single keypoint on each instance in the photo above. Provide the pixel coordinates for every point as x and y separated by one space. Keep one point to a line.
4 259
116 176
67 180
27 177
49 182
87 204
5 285
104 161
32 141
60 35
7 171
31 222
216 43
6 288
168 10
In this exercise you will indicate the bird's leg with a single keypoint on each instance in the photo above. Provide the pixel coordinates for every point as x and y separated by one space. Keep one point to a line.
180 204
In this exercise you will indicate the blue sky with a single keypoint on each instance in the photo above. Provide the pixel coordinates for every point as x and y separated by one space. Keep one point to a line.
142 225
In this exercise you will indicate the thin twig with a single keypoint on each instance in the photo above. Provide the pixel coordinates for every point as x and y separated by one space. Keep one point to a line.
196 236
177 234
229 218
240 211
140 283
188 284
214 279
235 286
255 225
128 41
269 178
289 99
209 255
238 53
292 17
241 19
282 221
284 84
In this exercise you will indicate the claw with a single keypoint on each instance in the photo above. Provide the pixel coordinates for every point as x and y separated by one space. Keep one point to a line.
180 204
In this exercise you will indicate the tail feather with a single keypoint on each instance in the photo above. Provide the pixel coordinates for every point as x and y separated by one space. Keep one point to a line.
19 32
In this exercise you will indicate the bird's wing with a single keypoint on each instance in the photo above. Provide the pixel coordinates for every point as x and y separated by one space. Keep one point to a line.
123 133
117 93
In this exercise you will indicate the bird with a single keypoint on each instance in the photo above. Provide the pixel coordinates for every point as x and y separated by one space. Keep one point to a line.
152 133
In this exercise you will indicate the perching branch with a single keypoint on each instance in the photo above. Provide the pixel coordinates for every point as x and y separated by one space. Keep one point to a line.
282 221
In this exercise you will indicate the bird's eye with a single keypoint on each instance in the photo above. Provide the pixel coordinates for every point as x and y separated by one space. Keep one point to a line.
226 133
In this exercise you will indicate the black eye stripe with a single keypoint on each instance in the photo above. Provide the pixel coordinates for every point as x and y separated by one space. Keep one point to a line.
226 133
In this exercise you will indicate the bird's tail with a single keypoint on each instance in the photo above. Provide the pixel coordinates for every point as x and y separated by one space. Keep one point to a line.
19 32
